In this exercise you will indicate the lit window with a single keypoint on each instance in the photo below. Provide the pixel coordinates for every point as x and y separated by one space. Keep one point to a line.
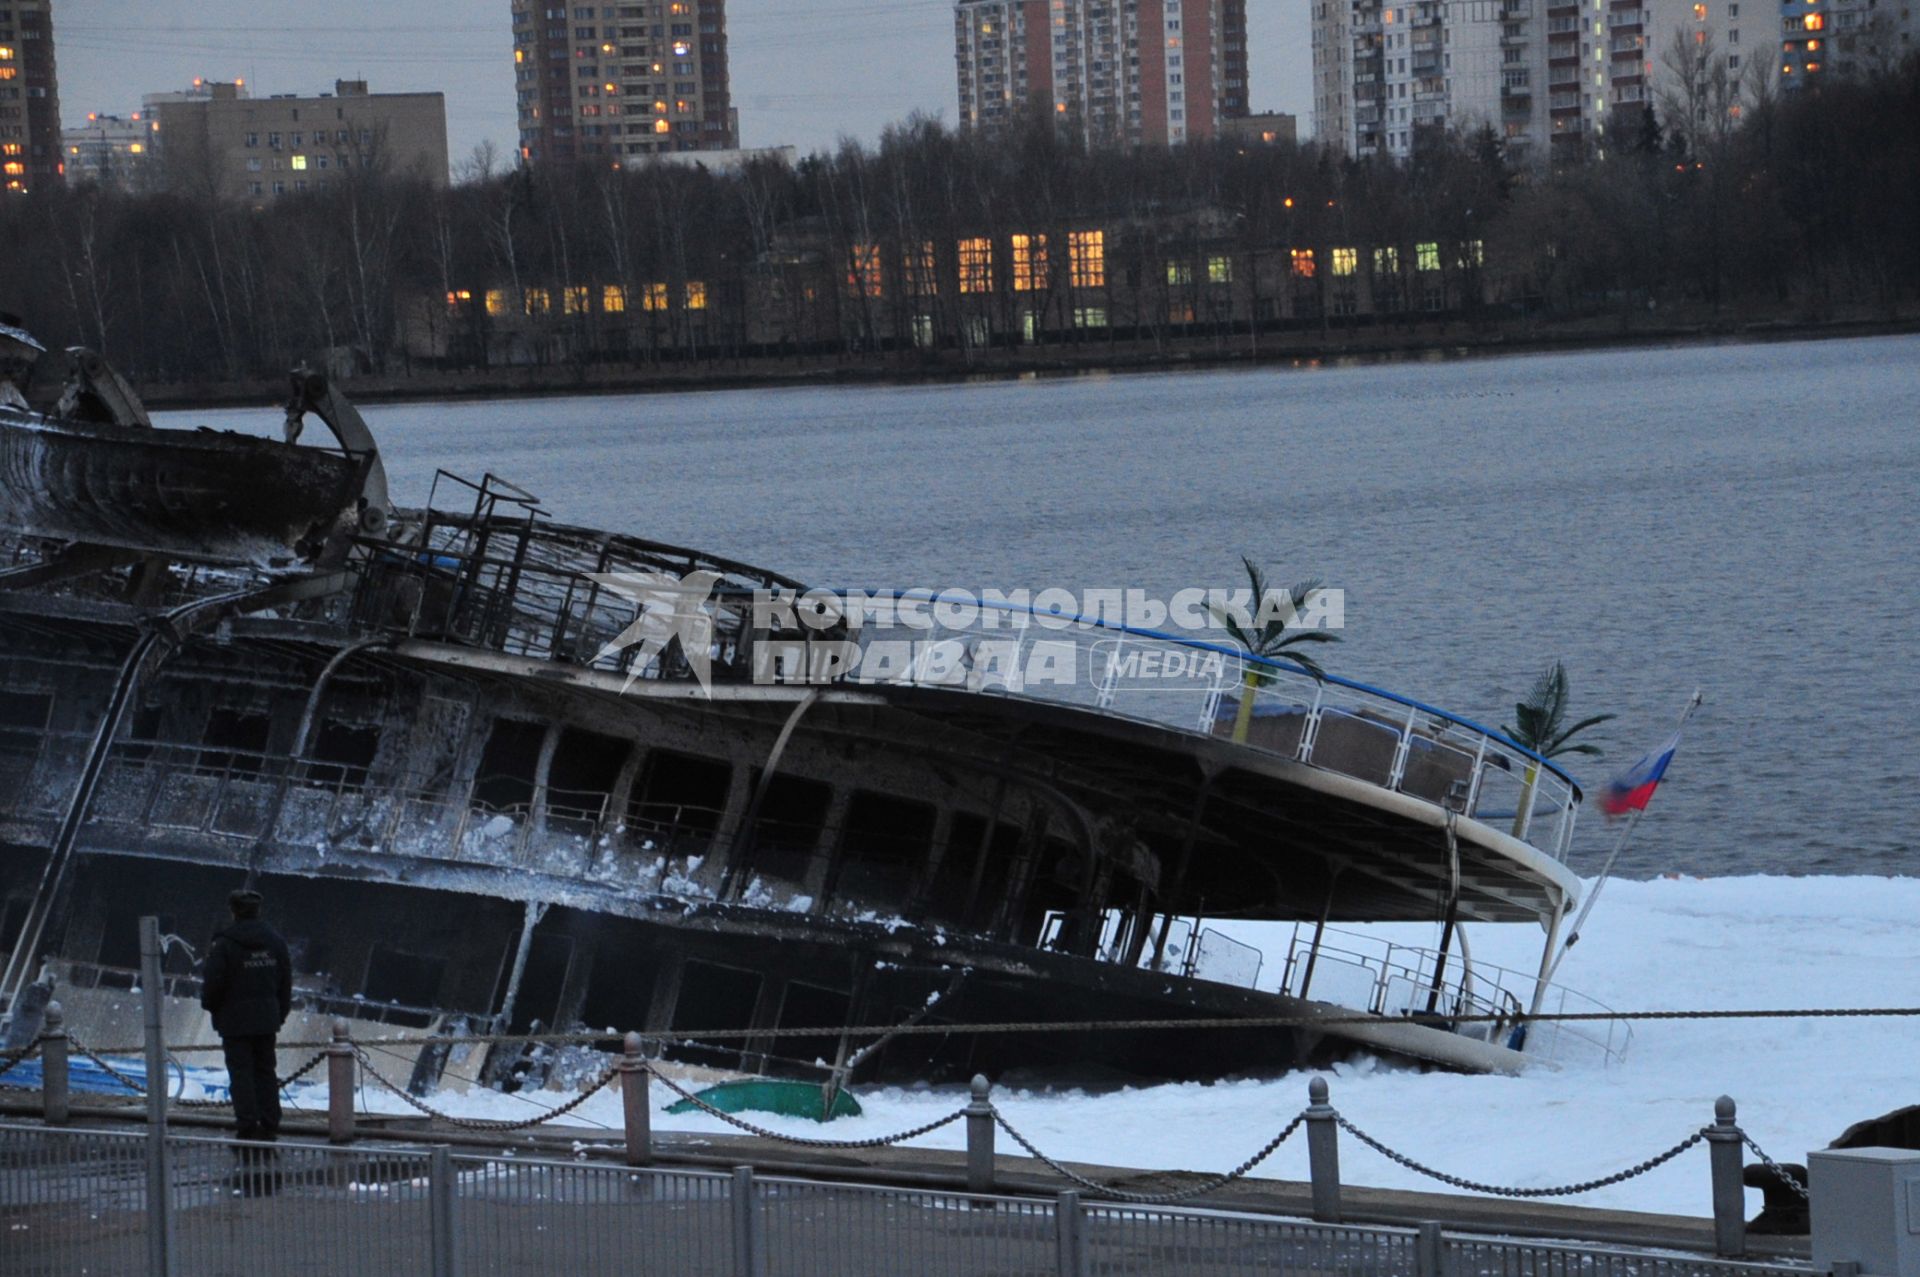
1029 263
1346 261
1088 253
681 48
613 299
15 168
538 301
1816 22
976 265
661 126
1300 263
300 163
496 302
1220 270
923 279
1700 12
1179 274
653 297
696 294
863 274
573 301
1426 256
1089 316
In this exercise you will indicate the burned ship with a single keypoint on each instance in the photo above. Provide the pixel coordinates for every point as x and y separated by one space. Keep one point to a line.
228 659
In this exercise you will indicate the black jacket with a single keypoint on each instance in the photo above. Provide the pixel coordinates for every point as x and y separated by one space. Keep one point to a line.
247 981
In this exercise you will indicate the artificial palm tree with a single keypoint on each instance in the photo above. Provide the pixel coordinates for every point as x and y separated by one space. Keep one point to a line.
1540 724
1270 640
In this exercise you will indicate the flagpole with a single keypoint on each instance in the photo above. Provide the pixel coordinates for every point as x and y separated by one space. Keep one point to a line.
1620 845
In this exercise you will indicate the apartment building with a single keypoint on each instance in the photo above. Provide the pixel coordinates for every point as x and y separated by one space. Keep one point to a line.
605 81
112 150
1555 77
30 150
215 137
1138 72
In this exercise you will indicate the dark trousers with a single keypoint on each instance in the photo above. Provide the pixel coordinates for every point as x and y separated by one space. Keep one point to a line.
255 1089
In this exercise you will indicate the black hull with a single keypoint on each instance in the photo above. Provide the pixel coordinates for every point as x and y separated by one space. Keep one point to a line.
201 494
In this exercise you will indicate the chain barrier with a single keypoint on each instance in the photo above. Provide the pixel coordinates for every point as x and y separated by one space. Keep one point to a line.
1320 1020
285 1082
1779 1172
25 1053
478 1123
1155 1199
765 1134
1499 1190
138 1088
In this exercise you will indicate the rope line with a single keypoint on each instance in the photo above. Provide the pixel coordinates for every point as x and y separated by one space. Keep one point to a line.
1502 1190
477 1123
802 1141
689 1036
1155 1199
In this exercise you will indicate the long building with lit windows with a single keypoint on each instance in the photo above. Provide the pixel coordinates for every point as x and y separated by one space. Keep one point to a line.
31 154
607 81
1844 37
1139 72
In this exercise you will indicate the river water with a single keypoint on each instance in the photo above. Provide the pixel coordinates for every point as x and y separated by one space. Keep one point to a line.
1740 518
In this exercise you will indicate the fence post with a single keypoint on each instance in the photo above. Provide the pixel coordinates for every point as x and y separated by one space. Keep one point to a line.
1066 1220
440 1193
1726 1154
159 1193
635 1079
54 1095
980 1137
1323 1153
746 1224
1430 1251
340 1083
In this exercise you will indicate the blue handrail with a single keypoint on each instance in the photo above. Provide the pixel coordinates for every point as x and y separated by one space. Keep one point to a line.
1243 655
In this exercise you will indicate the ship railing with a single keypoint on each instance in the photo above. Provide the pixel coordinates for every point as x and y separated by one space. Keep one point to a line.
1388 978
184 985
1197 685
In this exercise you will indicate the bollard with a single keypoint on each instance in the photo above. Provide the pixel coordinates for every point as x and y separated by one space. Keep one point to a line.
1323 1153
159 1190
441 1186
1066 1220
340 1082
55 1100
1430 1251
1726 1155
635 1078
746 1224
980 1137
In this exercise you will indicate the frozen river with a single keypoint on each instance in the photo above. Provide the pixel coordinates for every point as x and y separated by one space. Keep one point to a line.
1743 518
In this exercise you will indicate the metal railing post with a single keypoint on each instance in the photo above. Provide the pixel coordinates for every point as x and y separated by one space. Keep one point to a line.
159 1193
54 1093
340 1085
980 1137
1430 1251
635 1078
1323 1153
1067 1220
746 1224
440 1194
1726 1153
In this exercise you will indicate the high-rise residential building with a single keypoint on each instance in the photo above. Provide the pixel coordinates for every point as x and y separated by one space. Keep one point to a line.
112 150
30 151
1555 77
214 137
605 81
1143 72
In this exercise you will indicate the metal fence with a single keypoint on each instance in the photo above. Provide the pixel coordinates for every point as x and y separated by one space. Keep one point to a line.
78 1201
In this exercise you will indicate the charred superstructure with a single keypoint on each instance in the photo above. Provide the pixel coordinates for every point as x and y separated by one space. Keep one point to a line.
417 733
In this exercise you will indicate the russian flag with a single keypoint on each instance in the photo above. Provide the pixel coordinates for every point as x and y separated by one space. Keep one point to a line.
1633 788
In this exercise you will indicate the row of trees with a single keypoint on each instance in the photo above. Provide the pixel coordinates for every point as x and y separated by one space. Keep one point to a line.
1801 204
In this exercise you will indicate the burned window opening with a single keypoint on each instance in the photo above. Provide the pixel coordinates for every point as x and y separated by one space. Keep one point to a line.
786 829
508 766
235 741
679 799
883 849
24 720
586 766
714 997
808 1006
342 754
408 979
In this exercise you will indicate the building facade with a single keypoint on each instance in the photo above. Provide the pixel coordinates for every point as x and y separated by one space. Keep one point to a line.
112 150
217 138
1136 72
601 82
31 155
1555 77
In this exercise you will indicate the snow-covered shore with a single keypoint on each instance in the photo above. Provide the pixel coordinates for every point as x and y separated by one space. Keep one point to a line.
1671 944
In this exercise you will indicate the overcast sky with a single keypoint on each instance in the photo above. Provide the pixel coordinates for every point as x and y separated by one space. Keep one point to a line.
805 72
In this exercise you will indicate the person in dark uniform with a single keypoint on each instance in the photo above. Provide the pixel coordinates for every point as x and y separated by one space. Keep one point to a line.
247 983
